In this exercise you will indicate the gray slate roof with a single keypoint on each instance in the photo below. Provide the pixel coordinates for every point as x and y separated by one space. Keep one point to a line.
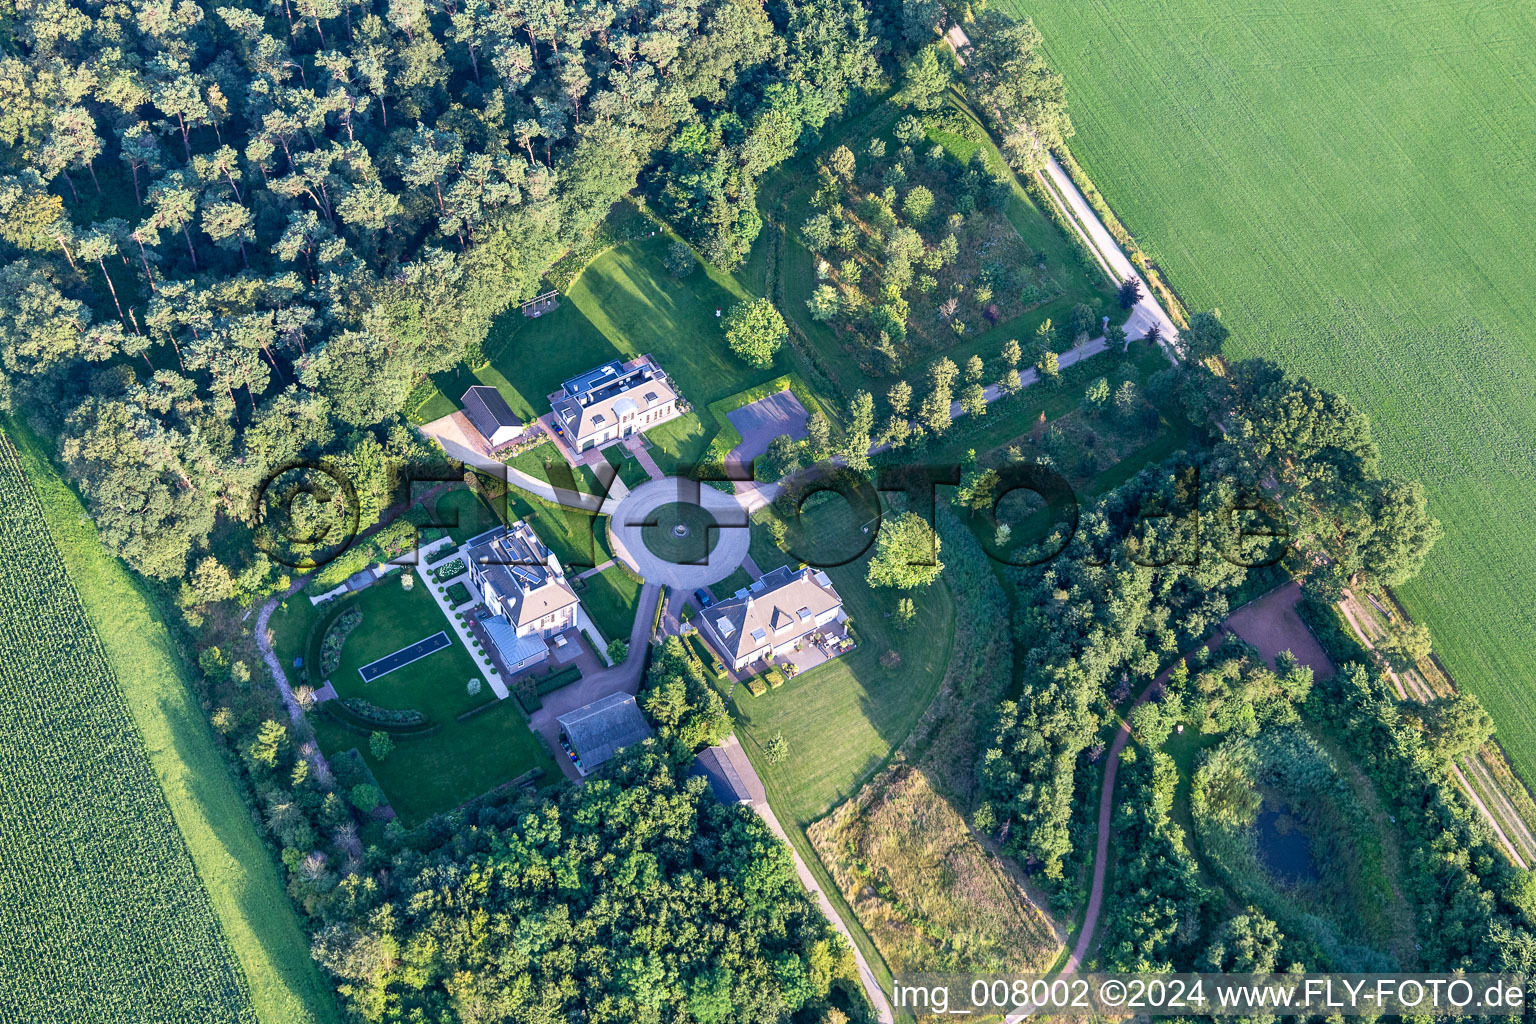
490 414
781 606
723 778
518 567
600 729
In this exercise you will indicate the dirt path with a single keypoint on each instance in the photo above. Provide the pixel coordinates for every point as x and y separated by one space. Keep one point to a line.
1107 807
733 752
1084 944
1086 223
308 748
1259 611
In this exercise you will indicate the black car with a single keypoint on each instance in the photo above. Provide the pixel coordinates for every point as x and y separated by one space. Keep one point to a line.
702 596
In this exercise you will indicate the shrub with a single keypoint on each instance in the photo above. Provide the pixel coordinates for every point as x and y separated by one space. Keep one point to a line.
755 686
680 260
553 682
449 571
380 745
335 636
375 715
366 797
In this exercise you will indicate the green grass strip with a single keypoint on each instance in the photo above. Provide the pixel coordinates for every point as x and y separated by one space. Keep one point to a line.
232 860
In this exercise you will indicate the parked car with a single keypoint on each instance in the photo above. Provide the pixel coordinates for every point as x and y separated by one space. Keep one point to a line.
702 597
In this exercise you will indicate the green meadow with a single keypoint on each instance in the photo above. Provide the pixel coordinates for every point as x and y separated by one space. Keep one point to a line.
1349 182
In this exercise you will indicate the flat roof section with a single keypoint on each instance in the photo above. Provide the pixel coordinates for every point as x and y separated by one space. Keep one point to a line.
584 382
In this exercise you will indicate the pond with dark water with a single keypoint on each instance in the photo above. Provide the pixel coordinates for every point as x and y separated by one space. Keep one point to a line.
1284 849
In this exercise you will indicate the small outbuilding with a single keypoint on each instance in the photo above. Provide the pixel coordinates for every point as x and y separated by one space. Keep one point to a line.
729 774
724 781
490 414
592 734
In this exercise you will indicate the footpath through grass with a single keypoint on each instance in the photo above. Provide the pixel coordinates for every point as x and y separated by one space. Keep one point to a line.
1349 183
232 861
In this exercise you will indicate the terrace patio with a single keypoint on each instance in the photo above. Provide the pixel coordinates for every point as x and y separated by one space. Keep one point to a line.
826 644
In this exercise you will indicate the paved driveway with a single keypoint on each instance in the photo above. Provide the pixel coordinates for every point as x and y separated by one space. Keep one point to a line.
764 420
621 678
624 530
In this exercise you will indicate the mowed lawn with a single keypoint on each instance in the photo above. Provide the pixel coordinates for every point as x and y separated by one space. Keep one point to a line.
579 540
843 718
460 760
1349 182
623 305
610 598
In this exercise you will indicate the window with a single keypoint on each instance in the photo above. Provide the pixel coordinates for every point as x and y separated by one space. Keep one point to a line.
725 627
759 634
804 614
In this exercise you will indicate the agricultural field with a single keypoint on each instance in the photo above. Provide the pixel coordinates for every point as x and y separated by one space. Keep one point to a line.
1349 184
94 869
232 860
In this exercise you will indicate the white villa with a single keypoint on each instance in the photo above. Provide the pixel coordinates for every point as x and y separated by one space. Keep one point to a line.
525 590
614 401
777 612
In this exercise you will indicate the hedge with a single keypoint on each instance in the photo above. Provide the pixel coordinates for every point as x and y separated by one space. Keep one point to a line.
359 716
551 683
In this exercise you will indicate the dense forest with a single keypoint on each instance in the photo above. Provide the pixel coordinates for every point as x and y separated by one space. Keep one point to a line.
1153 568
635 898
237 235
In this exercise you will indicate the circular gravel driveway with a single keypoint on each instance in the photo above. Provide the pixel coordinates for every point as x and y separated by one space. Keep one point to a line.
637 511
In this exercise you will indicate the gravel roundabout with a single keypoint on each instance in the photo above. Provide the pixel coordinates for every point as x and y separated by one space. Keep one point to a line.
645 511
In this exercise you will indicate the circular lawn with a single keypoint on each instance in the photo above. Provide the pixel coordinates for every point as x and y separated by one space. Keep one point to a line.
680 532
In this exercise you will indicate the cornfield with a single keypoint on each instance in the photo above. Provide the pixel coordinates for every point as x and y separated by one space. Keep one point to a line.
102 916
